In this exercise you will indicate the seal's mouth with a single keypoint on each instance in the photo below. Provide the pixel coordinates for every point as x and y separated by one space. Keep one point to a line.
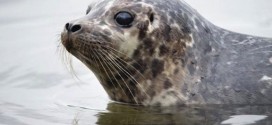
82 48
66 42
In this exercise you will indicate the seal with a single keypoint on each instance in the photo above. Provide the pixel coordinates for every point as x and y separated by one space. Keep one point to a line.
163 53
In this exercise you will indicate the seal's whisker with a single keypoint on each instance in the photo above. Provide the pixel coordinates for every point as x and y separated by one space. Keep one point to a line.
125 56
70 67
115 56
59 45
112 54
260 48
66 59
115 65
101 62
252 53
107 74
96 65
108 47
130 76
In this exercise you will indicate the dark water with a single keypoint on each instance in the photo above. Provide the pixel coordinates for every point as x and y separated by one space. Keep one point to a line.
37 89
186 115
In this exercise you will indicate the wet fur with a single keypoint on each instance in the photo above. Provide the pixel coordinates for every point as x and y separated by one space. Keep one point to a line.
170 56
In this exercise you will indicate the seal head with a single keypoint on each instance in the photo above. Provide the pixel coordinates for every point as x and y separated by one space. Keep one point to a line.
156 53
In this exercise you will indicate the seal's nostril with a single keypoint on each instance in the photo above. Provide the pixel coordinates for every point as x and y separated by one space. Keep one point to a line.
67 26
75 28
72 28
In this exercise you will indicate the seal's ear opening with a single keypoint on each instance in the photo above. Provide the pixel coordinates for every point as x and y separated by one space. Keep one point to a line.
151 17
88 10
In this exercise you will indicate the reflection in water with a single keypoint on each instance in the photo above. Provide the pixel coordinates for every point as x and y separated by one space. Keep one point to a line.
186 115
245 119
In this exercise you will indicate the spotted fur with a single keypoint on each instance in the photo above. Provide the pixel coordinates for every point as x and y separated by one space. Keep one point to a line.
170 55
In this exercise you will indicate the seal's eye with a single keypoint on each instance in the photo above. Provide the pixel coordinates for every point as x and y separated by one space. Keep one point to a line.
124 19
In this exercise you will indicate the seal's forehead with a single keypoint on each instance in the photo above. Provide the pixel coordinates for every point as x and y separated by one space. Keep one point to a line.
156 3
100 8
168 10
104 3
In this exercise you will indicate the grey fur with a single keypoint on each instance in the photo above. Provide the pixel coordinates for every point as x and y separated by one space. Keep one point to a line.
211 65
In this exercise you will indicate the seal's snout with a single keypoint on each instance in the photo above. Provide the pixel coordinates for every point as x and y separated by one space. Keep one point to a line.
70 31
70 27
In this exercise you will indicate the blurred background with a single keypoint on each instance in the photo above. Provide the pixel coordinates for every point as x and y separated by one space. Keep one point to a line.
35 86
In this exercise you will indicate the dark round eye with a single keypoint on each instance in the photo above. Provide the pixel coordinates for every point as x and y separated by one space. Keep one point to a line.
124 19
